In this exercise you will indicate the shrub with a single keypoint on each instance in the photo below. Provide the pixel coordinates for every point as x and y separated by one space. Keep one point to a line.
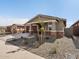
53 51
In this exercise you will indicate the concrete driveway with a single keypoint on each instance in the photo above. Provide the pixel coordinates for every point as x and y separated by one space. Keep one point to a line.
13 52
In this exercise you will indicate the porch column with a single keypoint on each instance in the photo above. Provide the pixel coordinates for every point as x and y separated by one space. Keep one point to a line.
16 30
25 28
30 28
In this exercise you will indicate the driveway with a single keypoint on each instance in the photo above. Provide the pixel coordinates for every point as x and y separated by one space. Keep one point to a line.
13 52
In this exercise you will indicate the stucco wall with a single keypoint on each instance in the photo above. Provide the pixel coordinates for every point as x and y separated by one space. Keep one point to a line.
60 29
57 29
60 26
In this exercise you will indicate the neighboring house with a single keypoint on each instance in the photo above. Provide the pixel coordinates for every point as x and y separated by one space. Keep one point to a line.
53 26
75 28
2 30
8 29
17 28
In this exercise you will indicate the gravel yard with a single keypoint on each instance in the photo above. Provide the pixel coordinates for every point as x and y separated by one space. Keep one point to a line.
64 46
43 50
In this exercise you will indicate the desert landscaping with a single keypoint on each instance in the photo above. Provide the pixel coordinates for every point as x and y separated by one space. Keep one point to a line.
39 29
59 49
42 37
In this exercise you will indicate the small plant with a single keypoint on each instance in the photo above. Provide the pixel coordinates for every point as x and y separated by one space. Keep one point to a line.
54 51
36 44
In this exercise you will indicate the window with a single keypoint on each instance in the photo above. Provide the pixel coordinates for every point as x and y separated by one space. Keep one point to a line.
50 28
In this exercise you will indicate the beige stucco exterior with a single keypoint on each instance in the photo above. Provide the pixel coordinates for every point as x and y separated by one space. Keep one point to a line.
54 25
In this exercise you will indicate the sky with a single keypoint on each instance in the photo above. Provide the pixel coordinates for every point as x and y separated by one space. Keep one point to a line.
20 11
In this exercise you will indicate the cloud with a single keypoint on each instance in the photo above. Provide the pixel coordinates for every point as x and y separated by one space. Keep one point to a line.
4 21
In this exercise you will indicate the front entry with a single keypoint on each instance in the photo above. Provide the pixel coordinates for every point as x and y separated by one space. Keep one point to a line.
34 29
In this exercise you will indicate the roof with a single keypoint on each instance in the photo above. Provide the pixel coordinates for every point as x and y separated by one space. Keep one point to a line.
48 17
18 24
75 23
2 27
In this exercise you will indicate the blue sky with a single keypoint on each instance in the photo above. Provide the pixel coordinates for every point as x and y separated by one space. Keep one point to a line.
20 11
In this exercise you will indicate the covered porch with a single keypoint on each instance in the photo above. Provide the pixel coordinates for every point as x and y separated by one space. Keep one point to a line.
49 28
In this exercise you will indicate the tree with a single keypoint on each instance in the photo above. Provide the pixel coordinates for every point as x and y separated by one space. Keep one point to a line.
42 31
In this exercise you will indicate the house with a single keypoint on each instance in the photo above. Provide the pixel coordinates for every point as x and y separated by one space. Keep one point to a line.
8 29
2 29
15 28
53 26
75 28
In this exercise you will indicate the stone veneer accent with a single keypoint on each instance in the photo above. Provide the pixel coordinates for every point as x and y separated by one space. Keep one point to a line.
60 34
56 34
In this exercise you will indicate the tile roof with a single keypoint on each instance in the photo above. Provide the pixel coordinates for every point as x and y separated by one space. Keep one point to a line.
48 17
75 23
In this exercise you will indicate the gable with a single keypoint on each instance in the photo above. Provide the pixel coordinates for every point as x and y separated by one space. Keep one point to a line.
40 19
43 18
